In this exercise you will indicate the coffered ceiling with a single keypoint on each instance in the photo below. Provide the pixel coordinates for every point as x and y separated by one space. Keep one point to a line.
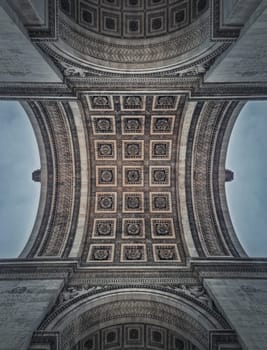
135 336
133 204
133 180
133 19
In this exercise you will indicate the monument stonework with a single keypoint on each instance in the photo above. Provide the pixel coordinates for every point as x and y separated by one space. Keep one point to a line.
132 103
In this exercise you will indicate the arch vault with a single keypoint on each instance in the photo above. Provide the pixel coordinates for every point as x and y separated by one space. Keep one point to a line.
133 246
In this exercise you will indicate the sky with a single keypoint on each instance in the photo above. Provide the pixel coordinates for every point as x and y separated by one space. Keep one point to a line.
19 195
246 195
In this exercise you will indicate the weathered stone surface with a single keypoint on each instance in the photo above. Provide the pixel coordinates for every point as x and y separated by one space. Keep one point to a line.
23 305
236 12
245 61
133 173
31 12
244 304
20 61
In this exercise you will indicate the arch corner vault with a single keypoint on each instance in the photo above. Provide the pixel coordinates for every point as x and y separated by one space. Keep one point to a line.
132 104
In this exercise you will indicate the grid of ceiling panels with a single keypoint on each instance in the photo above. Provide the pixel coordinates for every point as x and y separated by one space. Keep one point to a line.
134 19
133 150
135 336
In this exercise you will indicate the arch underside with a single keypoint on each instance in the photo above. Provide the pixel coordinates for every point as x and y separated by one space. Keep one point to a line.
134 180
142 36
135 335
133 218
138 318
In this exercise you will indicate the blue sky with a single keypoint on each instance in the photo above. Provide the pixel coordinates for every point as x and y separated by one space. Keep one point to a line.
247 194
19 195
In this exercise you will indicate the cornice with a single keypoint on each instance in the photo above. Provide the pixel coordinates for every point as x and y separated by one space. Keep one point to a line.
77 275
242 268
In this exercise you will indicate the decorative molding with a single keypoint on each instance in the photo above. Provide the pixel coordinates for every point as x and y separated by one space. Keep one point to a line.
59 212
203 156
105 51
193 296
59 225
74 69
36 91
84 276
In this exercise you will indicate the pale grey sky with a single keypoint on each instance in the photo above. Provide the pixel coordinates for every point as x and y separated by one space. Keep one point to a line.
247 194
19 195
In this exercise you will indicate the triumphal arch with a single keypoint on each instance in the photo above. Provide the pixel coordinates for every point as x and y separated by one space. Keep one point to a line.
132 103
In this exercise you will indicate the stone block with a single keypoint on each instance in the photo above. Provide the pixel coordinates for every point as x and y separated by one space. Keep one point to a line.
23 305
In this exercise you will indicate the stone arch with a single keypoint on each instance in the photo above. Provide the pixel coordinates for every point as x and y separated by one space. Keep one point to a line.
55 131
201 203
99 308
95 45
135 335
210 220
43 152
220 200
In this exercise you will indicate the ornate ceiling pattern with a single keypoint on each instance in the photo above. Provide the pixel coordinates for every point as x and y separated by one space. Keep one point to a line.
133 214
133 150
135 336
122 317
133 35
133 19
133 180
